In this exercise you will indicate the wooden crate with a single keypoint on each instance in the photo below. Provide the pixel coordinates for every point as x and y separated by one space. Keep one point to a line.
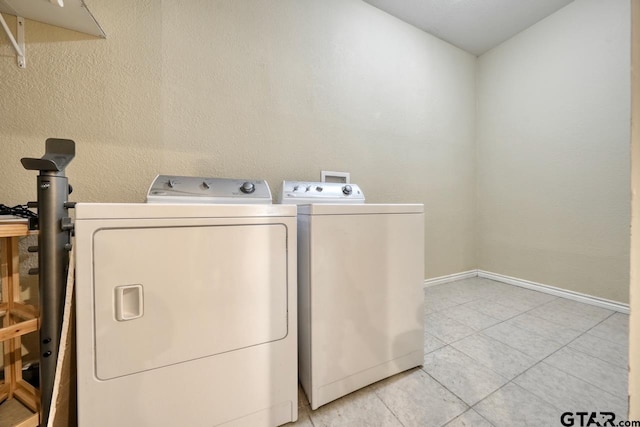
18 319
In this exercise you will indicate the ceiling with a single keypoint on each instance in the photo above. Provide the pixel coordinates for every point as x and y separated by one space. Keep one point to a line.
472 25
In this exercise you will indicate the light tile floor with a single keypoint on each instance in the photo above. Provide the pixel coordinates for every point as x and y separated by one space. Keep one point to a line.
496 355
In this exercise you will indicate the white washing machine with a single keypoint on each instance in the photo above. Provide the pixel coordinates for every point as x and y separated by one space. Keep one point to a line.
186 313
360 299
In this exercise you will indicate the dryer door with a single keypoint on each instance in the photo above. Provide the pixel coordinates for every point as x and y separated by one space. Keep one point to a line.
167 295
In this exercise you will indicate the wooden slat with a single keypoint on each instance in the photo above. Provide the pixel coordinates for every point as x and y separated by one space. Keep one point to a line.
4 392
32 421
28 395
4 268
16 362
17 330
13 309
23 311
14 271
26 307
14 230
15 373
63 410
28 387
7 351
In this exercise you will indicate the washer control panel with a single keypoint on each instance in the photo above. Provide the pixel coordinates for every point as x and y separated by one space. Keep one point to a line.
192 189
305 192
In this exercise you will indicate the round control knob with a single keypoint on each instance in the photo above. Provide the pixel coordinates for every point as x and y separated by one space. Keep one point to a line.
248 187
347 190
206 185
319 189
171 183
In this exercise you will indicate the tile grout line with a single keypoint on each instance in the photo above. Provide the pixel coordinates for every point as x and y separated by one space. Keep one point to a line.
596 357
512 317
309 411
581 332
555 298
471 409
571 373
538 361
518 385
561 370
494 392
389 409
447 388
479 362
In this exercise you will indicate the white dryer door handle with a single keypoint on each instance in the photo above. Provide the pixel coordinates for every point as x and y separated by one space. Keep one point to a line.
129 302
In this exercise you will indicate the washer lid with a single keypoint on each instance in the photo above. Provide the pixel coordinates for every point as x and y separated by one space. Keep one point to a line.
193 189
305 192
362 209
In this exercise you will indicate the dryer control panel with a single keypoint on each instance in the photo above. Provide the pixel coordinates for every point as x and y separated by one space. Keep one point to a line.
305 192
193 189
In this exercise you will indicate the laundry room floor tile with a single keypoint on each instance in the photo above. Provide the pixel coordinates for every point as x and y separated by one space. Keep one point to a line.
432 343
568 392
362 408
582 309
491 308
615 353
614 328
469 419
445 328
469 317
522 360
302 397
304 420
514 406
461 292
544 328
565 312
527 342
523 299
495 355
433 304
461 374
595 371
419 400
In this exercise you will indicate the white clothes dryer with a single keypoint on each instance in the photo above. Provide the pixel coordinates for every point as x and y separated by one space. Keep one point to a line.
186 313
360 299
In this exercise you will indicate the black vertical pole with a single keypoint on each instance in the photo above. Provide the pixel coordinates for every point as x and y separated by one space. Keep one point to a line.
53 256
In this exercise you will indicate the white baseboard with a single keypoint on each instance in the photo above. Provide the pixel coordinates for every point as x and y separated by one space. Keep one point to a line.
552 290
576 296
450 278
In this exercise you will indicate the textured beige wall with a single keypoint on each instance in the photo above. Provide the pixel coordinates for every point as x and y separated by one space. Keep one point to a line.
250 88
553 151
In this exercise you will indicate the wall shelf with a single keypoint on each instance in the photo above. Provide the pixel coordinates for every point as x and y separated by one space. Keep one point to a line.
70 14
